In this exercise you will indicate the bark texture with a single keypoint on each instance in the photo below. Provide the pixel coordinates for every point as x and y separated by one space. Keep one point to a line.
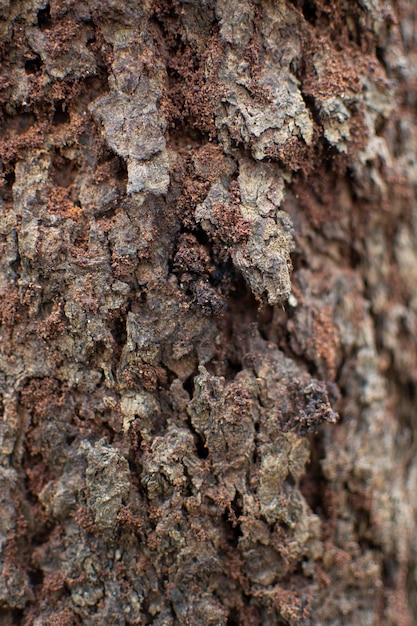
208 271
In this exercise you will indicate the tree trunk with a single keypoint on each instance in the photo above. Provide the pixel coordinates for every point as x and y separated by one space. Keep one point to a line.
209 312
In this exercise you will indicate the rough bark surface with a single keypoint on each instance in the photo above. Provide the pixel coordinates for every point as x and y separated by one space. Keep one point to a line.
208 271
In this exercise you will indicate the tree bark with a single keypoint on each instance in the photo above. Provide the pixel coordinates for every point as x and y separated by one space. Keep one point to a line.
208 317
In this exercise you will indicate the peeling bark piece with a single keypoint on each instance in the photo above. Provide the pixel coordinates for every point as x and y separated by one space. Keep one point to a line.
224 415
107 481
264 257
262 106
134 125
